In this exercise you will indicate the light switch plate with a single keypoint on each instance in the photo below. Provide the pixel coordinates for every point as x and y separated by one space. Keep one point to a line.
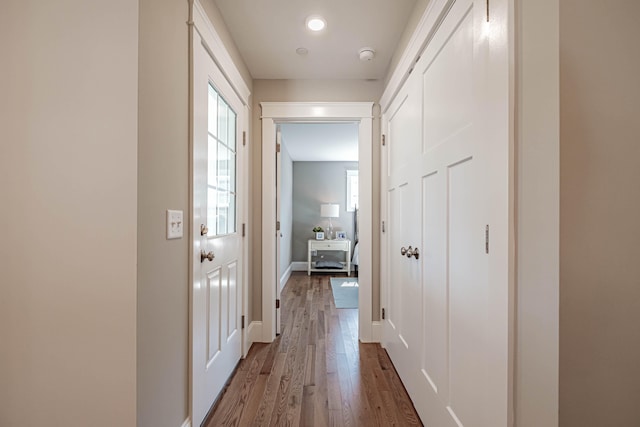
175 225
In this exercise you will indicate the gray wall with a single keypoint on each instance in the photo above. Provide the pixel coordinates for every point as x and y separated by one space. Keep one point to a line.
286 209
316 183
599 213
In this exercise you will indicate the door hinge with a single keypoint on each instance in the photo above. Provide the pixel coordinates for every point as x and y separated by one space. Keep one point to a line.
277 303
244 137
487 10
486 239
383 229
277 148
242 322
244 229
383 314
384 140
277 225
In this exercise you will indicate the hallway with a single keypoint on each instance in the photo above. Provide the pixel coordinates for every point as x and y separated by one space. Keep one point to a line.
315 373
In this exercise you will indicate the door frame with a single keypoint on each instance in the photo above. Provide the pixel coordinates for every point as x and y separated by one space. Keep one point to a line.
202 32
282 112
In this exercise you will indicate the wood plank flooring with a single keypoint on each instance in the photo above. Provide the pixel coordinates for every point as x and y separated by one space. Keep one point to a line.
315 373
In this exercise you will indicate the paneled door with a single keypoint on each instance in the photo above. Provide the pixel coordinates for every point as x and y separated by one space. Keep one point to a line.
447 292
217 244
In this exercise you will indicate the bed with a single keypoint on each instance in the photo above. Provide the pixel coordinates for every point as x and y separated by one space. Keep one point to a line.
356 243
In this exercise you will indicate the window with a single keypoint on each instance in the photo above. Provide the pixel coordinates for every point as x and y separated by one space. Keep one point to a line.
221 178
352 190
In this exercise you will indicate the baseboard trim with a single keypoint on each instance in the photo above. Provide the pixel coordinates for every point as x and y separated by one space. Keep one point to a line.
299 266
255 332
376 331
285 276
303 266
186 423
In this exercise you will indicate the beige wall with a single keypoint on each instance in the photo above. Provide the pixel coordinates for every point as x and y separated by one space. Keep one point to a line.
216 19
409 29
599 213
68 166
163 183
308 90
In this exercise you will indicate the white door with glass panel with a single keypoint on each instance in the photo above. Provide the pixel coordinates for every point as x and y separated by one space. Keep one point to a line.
217 244
446 297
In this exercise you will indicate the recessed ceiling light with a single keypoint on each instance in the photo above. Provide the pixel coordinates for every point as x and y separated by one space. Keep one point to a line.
302 51
316 23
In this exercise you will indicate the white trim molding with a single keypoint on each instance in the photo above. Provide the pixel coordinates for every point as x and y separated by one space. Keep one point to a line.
286 275
537 133
280 112
213 43
254 332
299 266
376 331
428 25
323 111
186 423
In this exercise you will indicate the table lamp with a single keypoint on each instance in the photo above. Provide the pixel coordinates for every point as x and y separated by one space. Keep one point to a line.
330 211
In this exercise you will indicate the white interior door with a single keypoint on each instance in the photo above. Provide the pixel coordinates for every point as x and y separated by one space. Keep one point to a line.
447 320
217 244
278 224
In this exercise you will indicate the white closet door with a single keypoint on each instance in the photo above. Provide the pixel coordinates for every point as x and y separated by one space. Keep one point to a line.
448 179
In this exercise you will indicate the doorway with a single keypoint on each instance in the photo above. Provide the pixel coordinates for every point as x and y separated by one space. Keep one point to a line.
274 113
317 176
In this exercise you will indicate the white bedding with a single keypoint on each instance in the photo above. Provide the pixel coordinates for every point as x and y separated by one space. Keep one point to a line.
354 258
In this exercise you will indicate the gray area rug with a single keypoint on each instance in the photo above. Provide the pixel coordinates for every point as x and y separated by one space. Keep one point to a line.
345 291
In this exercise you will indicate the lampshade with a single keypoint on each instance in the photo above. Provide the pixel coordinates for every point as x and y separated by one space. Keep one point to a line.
330 211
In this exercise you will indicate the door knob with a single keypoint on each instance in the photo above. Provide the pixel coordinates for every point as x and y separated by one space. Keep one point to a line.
409 252
413 253
204 230
203 255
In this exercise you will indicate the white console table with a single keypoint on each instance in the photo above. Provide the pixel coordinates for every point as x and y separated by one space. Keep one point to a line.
329 245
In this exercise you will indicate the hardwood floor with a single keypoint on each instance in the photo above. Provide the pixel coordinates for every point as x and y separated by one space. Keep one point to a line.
315 373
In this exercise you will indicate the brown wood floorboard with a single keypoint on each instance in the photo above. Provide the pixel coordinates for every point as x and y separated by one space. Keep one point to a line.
316 373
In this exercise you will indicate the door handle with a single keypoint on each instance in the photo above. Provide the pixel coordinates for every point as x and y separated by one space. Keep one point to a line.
204 255
410 252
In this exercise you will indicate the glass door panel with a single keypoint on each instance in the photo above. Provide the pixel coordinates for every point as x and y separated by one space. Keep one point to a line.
221 174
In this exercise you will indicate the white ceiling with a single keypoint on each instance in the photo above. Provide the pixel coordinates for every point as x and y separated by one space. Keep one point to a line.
268 32
321 142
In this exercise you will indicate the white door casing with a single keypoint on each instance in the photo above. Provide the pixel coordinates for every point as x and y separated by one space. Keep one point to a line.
277 112
278 160
218 164
447 175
